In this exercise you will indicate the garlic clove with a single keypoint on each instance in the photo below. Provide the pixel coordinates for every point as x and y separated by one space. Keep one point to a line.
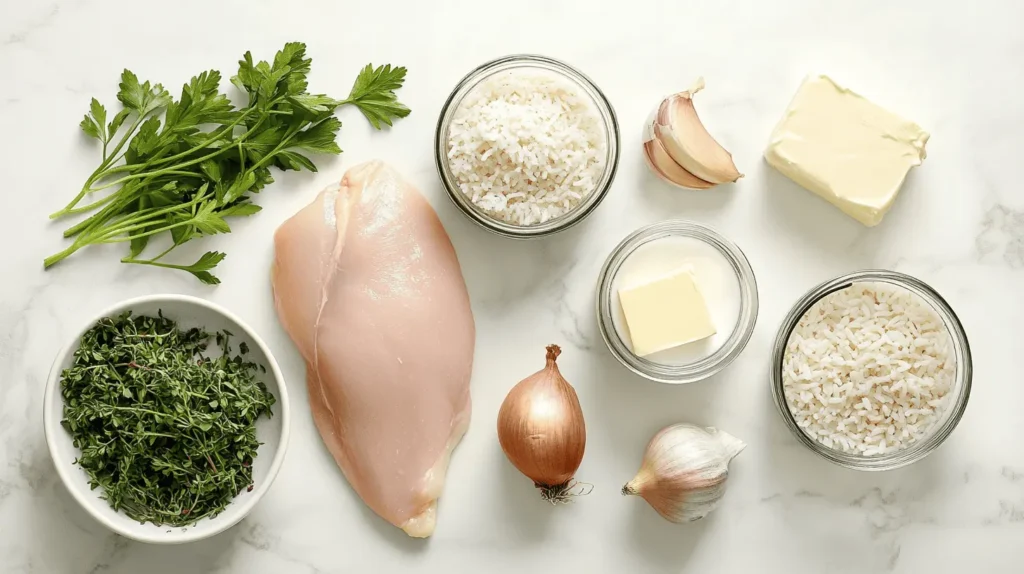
688 142
684 472
666 168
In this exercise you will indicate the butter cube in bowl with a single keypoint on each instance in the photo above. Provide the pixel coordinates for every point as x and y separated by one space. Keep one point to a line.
676 302
665 313
846 149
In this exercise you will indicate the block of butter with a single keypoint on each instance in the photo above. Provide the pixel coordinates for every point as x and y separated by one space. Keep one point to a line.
665 313
846 149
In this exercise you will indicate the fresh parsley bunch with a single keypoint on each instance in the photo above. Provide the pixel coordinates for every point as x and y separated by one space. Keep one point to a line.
186 174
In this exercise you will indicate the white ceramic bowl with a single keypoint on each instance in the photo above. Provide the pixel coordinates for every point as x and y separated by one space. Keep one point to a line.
273 432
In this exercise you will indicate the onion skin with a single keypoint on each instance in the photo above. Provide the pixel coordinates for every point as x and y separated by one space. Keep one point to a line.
541 428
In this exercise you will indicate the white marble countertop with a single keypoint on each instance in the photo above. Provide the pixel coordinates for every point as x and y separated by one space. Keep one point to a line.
959 225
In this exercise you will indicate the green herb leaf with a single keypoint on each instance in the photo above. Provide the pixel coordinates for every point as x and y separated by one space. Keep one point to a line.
208 221
141 98
320 138
287 160
201 268
200 103
293 56
145 141
212 169
240 210
138 245
244 182
314 104
95 122
115 124
90 128
374 94
99 115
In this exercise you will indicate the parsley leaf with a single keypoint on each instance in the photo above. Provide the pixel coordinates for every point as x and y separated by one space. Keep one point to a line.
95 122
314 104
201 268
243 209
320 137
287 160
141 98
115 124
374 94
209 222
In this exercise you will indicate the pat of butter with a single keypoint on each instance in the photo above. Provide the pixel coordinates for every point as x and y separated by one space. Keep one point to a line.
846 149
665 313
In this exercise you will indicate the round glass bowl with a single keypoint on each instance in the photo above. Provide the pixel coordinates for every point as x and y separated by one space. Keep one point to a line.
541 64
956 398
701 368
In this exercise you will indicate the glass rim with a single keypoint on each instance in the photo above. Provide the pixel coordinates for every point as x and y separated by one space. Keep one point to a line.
742 330
962 381
557 224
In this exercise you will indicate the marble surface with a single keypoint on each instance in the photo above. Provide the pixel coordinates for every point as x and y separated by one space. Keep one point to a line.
959 225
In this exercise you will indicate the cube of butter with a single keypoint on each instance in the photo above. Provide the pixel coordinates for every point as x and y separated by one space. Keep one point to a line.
665 313
846 149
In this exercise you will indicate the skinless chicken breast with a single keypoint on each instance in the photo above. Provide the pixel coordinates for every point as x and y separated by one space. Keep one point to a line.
368 286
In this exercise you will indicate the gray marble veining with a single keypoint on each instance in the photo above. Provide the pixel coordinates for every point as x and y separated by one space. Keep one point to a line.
958 225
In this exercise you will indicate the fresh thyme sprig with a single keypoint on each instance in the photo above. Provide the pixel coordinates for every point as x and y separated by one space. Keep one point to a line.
168 432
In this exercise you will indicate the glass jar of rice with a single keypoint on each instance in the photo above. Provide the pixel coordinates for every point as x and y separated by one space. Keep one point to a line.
526 146
871 370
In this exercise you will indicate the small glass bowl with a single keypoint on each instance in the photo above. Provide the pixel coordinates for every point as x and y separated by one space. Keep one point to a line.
700 369
567 72
957 397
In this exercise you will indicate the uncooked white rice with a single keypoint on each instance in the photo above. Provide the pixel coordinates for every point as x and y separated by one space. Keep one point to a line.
868 369
526 146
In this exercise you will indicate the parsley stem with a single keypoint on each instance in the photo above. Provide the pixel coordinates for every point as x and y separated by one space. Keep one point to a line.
91 206
131 223
227 130
176 169
113 236
56 257
154 260
99 172
217 134
159 172
167 171
117 149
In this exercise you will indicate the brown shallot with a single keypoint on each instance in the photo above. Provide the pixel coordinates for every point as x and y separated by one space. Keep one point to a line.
541 430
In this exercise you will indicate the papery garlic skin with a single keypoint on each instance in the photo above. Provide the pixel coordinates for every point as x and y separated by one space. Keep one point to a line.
668 170
684 471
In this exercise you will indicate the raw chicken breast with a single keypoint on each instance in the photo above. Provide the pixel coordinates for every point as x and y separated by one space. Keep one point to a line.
368 286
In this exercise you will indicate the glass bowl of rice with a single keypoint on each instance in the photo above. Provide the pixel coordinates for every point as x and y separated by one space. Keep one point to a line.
871 370
526 146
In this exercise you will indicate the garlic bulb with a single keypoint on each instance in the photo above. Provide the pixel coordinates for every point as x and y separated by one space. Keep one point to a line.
689 157
684 471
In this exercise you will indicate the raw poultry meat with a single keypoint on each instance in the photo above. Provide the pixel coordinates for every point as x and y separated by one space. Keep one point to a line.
369 288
